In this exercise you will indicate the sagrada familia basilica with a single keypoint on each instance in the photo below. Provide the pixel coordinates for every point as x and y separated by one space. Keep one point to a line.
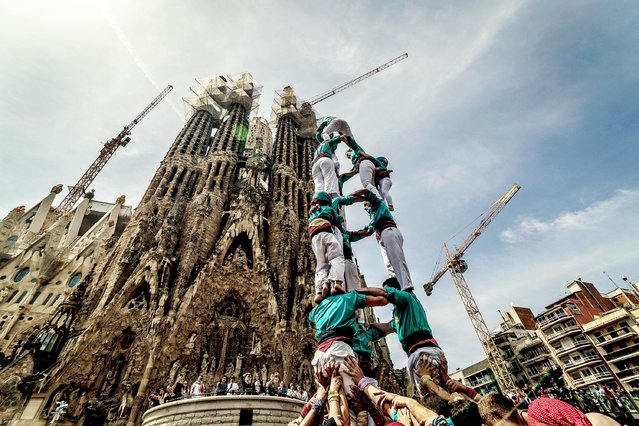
212 274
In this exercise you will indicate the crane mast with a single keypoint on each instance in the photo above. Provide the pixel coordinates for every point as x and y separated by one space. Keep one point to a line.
457 266
354 81
107 151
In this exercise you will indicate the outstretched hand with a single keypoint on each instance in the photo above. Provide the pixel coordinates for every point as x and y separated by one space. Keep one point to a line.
352 369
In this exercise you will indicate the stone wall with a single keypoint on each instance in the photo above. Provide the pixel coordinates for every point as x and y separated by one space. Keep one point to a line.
225 411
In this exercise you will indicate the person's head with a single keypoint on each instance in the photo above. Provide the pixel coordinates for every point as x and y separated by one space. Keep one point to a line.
497 410
349 153
224 379
383 161
199 378
232 379
392 283
321 199
550 411
464 412
436 404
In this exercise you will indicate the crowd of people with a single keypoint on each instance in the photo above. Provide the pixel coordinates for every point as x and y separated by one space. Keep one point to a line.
250 384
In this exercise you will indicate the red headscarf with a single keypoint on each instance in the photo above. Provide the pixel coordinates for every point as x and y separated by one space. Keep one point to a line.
553 412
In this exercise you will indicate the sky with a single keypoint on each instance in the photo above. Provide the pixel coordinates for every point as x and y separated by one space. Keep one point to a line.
540 93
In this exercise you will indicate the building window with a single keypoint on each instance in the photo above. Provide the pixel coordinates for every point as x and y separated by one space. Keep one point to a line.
12 296
46 299
21 274
56 299
34 298
22 296
12 239
75 280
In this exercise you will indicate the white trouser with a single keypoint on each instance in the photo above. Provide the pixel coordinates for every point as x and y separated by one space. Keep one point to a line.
336 125
387 264
351 276
433 360
393 241
324 176
337 352
367 175
384 187
329 256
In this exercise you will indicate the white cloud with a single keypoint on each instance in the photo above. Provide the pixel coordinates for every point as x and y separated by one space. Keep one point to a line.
580 220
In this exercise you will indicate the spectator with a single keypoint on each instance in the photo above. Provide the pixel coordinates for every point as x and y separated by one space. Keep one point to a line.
257 384
197 388
247 385
221 387
233 388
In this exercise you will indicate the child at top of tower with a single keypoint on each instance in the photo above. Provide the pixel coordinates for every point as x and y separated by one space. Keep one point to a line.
390 239
383 181
326 240
325 163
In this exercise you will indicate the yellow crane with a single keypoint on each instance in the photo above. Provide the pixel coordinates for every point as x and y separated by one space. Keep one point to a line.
457 266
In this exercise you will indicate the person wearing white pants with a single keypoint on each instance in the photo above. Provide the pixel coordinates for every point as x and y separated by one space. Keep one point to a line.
326 240
389 237
335 324
383 181
325 169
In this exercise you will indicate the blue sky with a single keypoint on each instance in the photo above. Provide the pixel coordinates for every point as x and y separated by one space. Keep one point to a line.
540 93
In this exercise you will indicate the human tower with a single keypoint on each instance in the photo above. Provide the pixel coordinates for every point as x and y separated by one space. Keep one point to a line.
341 333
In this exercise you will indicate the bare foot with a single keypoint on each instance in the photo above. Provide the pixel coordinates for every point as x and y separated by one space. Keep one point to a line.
391 208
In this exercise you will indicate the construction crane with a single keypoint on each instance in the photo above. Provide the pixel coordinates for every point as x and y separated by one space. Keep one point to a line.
107 151
320 98
457 266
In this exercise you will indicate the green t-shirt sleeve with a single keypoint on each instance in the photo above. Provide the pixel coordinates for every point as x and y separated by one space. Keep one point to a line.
397 297
343 201
358 299
373 199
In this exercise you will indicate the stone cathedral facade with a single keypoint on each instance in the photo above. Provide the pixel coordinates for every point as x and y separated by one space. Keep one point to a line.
212 275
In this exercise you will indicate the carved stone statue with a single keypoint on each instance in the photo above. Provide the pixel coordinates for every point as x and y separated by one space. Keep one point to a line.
120 200
57 189
3 293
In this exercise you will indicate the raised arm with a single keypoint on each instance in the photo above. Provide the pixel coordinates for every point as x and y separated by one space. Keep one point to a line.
372 291
372 301
384 327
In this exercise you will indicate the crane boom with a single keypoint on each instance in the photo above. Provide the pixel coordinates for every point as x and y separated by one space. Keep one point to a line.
106 153
487 219
354 81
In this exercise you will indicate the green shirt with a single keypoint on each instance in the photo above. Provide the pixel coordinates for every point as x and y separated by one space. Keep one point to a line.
337 311
408 314
327 147
363 339
380 212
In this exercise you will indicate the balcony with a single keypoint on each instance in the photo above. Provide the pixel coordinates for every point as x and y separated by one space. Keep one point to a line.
552 319
566 331
534 359
597 377
587 360
628 374
609 318
622 354
572 346
614 336
481 381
